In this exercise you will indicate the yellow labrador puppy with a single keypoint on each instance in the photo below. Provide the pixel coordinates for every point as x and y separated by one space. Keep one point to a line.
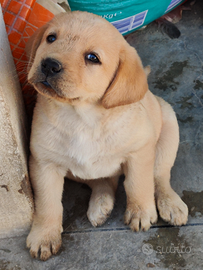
94 120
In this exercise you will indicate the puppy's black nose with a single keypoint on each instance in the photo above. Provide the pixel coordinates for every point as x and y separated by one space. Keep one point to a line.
50 67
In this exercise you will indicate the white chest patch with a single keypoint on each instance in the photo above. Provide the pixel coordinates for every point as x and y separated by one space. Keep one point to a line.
86 145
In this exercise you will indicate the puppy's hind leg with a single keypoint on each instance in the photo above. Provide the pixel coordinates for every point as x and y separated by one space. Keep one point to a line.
102 199
171 208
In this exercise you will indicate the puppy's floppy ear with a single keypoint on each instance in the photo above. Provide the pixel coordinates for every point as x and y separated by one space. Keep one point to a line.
129 83
33 43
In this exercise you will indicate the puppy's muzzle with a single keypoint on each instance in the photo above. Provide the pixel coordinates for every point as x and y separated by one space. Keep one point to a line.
50 67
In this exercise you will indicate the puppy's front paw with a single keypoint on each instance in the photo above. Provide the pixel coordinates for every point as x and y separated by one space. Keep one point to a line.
171 208
43 242
100 207
139 217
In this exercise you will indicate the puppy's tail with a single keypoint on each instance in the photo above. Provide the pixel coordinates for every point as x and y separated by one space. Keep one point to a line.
147 70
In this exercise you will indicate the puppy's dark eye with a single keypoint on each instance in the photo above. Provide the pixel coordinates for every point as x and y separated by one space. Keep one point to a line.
93 58
51 38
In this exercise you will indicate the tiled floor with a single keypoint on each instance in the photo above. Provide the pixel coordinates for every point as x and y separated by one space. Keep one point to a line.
177 76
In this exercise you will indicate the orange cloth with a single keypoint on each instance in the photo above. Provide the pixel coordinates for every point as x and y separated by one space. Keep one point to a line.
22 18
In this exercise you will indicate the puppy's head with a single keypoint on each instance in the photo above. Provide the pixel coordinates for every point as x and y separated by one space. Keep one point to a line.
79 56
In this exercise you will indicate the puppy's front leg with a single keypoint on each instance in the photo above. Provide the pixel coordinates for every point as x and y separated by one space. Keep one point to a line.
139 187
45 236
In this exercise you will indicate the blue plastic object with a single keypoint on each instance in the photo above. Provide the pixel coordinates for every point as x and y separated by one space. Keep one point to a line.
126 15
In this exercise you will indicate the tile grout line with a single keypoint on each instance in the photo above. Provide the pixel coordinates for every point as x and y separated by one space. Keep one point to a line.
127 229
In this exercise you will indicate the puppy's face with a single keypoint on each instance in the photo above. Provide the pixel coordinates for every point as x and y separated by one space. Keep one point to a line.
79 56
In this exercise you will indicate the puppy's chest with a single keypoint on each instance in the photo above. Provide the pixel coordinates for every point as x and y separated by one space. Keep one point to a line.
90 152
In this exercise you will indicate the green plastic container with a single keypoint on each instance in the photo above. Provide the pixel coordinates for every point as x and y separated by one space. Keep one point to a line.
126 15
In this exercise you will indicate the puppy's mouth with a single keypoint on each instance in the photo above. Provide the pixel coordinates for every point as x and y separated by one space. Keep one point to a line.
45 83
46 88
